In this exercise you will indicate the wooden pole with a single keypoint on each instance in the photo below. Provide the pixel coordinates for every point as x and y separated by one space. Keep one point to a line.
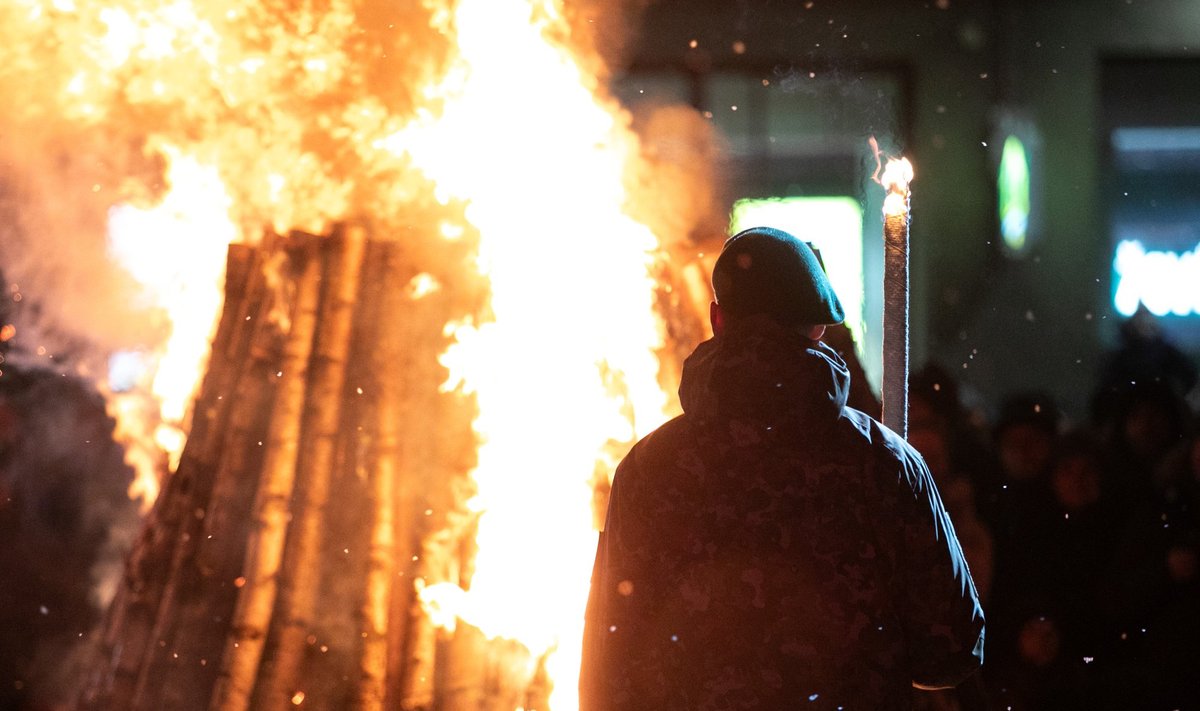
895 179
378 351
264 555
280 680
176 673
206 580
373 662
128 642
411 347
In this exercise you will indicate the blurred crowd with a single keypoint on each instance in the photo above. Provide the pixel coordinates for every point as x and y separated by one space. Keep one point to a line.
1083 539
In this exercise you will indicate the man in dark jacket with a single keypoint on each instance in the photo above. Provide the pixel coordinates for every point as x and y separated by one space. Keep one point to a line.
771 548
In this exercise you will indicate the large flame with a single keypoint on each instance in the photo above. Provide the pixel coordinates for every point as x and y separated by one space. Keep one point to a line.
176 250
295 115
573 305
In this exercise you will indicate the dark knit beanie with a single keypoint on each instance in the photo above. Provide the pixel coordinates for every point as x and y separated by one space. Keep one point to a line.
763 270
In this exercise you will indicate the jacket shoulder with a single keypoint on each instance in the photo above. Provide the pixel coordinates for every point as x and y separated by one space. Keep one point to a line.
666 439
886 445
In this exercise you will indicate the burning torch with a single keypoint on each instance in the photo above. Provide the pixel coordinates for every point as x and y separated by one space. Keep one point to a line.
896 177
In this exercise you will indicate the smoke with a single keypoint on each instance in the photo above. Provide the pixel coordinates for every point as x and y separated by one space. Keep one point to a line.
98 100
64 293
66 522
674 185
279 98
602 32
676 189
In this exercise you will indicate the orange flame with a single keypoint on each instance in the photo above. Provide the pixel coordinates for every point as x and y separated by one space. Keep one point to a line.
264 113
573 304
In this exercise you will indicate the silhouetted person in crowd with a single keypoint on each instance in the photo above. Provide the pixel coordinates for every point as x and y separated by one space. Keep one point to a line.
771 548
1144 358
1152 594
1018 507
1146 421
1017 503
1087 518
1051 599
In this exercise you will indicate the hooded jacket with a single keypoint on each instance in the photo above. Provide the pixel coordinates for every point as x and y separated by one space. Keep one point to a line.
772 548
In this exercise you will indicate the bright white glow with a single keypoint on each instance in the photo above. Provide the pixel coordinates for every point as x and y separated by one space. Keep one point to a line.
1166 282
126 369
176 251
834 226
564 369
897 174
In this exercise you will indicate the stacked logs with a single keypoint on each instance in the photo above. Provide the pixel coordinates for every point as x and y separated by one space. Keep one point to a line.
277 567
325 475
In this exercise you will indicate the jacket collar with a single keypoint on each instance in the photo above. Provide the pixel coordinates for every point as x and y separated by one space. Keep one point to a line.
760 371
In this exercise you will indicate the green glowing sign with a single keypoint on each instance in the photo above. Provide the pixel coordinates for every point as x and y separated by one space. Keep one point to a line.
1013 189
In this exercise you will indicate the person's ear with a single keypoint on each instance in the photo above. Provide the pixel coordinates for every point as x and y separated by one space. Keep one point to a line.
815 332
716 316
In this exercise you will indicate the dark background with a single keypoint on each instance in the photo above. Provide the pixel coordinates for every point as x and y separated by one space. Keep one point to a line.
938 81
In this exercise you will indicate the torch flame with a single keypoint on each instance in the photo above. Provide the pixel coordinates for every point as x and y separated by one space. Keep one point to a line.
895 179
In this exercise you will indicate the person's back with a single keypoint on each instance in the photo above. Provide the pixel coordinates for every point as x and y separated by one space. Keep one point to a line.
773 549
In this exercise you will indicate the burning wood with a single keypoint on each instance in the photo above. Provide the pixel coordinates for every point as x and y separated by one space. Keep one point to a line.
434 404
250 588
220 600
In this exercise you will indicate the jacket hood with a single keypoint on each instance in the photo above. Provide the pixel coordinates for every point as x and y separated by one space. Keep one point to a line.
760 371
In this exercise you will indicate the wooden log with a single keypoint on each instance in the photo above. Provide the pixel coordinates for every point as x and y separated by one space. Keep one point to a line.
411 639
244 287
279 681
212 556
264 554
175 674
220 556
389 594
418 675
373 661
127 640
375 443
